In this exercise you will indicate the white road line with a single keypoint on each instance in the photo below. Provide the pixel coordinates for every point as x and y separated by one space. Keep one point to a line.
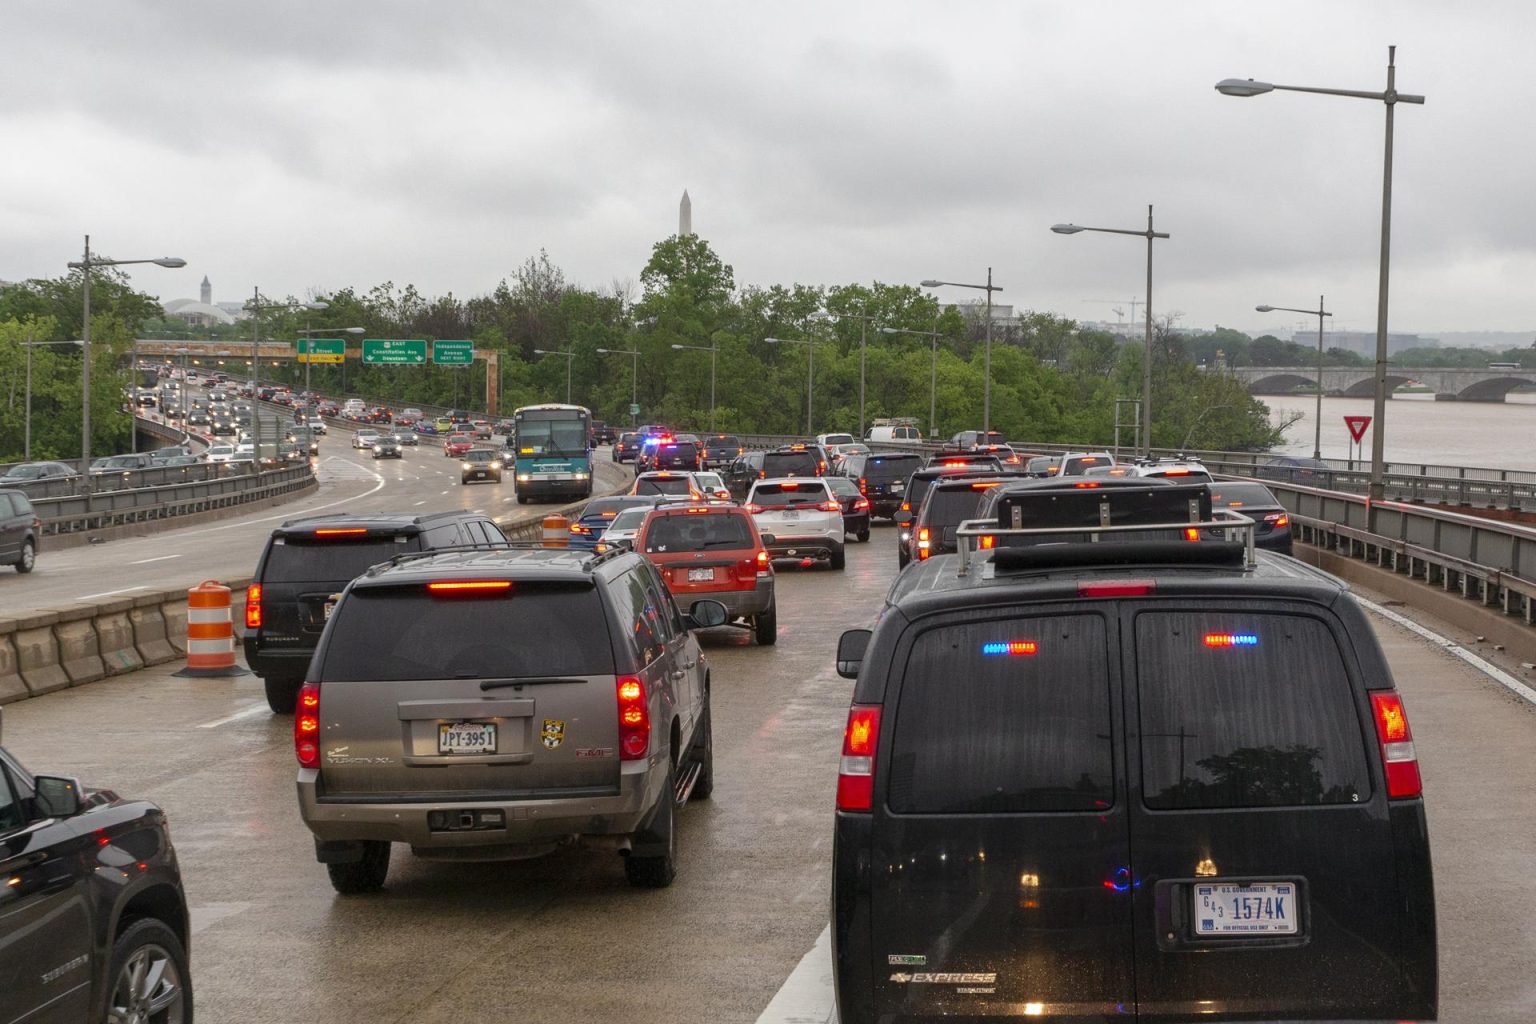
157 558
301 511
806 996
445 492
249 711
109 593
1484 666
423 501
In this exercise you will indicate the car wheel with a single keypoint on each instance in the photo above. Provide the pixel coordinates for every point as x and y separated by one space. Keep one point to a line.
656 870
766 626
149 978
366 874
704 757
863 535
282 693
28 556
522 499
839 558
902 558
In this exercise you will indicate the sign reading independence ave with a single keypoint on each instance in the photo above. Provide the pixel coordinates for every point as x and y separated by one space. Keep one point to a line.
453 353
395 351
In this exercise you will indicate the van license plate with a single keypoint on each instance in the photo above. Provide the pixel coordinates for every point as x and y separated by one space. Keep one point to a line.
1264 908
466 738
701 575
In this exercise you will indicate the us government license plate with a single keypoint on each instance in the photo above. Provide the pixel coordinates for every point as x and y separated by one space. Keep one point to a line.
1263 908
466 738
701 575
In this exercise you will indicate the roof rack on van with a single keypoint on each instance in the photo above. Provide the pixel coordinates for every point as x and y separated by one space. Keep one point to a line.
1063 523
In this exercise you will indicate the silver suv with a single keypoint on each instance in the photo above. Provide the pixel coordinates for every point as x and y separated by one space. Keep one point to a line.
500 703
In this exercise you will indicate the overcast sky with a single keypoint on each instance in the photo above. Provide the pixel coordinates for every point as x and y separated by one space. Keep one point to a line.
307 146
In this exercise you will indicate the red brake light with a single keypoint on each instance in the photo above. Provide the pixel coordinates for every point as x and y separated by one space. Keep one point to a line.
856 770
469 586
922 543
763 564
1117 588
1190 533
306 726
1278 519
830 506
634 719
988 542
789 486
863 486
253 606
861 503
355 531
1087 484
1397 754
751 509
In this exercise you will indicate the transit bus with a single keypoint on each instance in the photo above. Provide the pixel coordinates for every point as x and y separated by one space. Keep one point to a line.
550 452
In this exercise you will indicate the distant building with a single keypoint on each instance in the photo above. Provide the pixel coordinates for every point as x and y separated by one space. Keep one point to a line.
1361 342
977 309
201 312
685 216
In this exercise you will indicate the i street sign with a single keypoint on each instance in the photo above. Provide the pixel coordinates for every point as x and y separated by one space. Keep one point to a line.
453 353
395 351
322 350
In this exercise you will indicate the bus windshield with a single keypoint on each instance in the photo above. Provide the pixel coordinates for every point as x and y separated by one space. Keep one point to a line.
552 433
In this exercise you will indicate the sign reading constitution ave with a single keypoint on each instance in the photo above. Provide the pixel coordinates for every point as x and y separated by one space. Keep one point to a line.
395 351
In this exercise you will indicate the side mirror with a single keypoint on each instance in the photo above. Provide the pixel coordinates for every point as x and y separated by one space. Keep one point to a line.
768 538
904 520
706 613
58 796
850 652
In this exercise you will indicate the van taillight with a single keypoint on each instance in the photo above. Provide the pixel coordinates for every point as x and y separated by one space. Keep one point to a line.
253 606
1117 588
856 770
1397 754
306 726
634 720
863 486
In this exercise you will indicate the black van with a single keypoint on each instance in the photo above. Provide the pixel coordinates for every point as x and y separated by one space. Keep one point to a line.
1151 780
308 561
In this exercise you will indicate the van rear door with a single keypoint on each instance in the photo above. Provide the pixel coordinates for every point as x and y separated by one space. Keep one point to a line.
1265 879
999 854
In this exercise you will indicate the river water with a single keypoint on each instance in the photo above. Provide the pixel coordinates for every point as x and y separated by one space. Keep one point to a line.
1419 429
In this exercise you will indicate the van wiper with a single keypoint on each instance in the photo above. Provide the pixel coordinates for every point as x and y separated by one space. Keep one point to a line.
497 684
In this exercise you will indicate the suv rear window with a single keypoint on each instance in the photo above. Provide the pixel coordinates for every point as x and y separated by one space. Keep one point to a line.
694 532
397 633
1026 731
301 560
682 453
891 467
948 507
780 495
1246 710
665 485
790 464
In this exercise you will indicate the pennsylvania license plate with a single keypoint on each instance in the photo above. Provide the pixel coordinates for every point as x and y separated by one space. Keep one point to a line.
701 575
1263 908
466 738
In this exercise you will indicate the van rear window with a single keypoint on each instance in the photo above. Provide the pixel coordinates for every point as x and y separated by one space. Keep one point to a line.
1006 715
397 633
322 560
1246 710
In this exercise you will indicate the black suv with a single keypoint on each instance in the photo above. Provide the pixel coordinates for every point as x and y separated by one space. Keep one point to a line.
1163 779
912 500
947 504
307 562
93 919
19 530
882 478
722 450
499 703
684 455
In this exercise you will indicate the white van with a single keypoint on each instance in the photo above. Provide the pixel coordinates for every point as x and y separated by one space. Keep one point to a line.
893 433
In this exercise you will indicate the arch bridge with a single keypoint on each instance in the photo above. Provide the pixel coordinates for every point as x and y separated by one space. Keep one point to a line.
1487 385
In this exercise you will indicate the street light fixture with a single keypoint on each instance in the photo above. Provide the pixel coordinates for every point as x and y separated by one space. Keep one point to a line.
1390 97
570 357
310 356
1146 355
713 352
864 321
85 265
634 379
810 370
1319 312
29 345
986 387
933 382
256 305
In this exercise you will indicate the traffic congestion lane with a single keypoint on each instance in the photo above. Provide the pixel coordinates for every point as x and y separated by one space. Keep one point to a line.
546 940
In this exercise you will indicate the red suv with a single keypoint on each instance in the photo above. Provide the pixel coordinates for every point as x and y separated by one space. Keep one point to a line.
715 552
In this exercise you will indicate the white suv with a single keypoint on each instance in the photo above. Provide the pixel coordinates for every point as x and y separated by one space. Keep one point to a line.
221 452
799 517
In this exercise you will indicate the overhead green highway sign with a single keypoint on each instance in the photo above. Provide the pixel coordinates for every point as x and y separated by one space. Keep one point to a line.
395 351
322 350
453 353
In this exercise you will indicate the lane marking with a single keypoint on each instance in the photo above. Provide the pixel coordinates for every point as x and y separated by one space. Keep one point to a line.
109 593
249 711
423 501
806 997
380 481
158 558
1483 665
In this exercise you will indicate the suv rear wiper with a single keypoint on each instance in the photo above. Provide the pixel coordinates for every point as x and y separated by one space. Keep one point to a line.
497 684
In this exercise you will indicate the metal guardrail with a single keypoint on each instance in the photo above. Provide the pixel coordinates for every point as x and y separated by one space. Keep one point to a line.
165 501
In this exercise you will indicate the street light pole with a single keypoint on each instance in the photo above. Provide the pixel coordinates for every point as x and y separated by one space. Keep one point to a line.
1319 312
933 377
1244 87
309 356
713 351
986 387
256 305
810 370
569 359
1146 356
864 320
634 379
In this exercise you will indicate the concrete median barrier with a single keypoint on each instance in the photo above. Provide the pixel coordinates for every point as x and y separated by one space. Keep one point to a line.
79 651
149 636
174 611
114 637
11 685
37 653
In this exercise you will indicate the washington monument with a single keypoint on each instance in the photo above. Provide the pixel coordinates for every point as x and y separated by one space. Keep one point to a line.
685 216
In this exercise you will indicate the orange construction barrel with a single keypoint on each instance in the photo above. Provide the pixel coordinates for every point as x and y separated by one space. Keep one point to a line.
210 632
557 531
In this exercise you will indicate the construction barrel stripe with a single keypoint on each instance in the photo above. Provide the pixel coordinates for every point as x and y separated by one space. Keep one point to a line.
210 628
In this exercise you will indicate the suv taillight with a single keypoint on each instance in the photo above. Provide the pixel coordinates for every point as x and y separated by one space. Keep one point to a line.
764 564
1397 754
863 486
634 720
253 606
922 544
306 726
856 770
830 506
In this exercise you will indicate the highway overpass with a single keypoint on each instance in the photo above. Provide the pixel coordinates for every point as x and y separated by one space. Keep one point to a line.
1359 382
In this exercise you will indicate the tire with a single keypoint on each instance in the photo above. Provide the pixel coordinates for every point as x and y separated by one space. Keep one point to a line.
766 626
28 557
839 557
522 499
364 875
282 693
704 756
148 978
863 535
656 871
902 558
